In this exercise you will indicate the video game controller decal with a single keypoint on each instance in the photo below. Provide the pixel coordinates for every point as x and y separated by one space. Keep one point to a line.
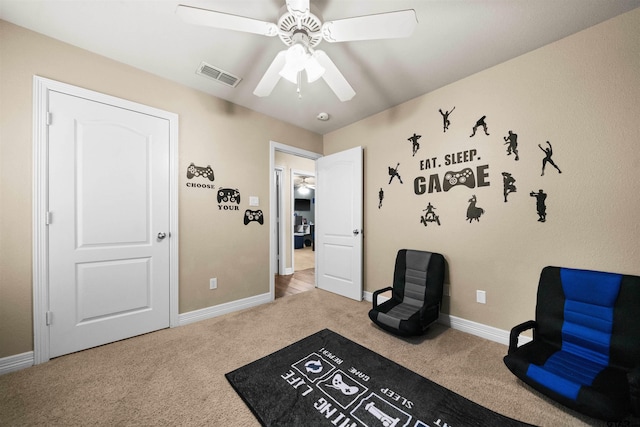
194 171
251 216
228 195
464 177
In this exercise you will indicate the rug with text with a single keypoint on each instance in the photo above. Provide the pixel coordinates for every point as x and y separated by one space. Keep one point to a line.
328 380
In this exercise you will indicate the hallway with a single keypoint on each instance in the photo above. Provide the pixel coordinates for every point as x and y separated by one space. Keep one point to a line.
303 279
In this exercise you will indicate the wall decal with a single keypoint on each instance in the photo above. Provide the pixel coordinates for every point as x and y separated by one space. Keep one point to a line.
445 118
512 141
250 216
429 215
464 177
548 152
196 171
414 139
473 211
229 195
394 173
380 197
452 178
541 205
508 182
479 123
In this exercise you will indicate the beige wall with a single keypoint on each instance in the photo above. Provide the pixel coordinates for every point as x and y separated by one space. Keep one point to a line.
582 94
289 162
213 243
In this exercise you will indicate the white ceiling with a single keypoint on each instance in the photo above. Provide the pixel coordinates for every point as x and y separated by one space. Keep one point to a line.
453 39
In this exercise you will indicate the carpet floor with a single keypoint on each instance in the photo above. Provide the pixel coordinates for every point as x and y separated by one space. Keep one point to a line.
176 376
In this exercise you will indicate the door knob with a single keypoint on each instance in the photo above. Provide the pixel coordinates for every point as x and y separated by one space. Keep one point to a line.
161 236
356 232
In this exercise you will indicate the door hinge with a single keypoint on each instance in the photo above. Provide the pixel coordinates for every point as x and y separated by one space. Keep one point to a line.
49 317
47 218
49 118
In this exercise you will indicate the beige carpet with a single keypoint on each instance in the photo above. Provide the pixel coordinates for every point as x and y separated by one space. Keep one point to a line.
176 376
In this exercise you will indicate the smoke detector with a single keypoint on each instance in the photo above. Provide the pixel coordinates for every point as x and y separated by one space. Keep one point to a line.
323 116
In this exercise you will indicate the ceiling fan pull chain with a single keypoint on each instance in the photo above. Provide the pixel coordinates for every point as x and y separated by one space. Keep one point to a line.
299 85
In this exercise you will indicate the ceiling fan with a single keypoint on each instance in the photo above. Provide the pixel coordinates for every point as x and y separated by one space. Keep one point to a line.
303 186
302 31
301 182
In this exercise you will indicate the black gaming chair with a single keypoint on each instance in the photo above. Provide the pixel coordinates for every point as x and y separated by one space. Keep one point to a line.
418 279
585 351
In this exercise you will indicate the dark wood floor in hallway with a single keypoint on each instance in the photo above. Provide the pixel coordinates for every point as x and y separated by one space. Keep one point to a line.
300 281
303 279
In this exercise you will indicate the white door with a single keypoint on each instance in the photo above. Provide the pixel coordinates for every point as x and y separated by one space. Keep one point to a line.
109 223
339 223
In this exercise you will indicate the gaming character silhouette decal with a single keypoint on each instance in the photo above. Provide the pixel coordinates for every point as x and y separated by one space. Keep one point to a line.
541 205
445 118
512 141
548 152
508 184
393 172
473 211
429 215
479 123
380 197
414 139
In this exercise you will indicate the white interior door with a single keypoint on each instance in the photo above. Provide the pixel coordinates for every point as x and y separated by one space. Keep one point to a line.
339 223
109 223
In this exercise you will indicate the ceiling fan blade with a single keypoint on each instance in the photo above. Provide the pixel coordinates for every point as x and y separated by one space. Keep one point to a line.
334 77
225 21
391 25
298 8
271 76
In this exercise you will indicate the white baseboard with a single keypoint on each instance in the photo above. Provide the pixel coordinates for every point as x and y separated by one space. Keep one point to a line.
219 310
16 362
478 329
25 360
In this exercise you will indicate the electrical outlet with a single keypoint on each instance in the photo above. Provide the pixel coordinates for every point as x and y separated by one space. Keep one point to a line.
213 283
481 297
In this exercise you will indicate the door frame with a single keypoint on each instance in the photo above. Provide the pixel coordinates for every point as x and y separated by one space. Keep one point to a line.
279 260
273 235
41 88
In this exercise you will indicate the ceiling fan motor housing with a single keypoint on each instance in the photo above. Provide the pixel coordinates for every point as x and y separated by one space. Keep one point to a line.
310 28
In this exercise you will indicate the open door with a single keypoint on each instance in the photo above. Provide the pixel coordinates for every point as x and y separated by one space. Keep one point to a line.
339 223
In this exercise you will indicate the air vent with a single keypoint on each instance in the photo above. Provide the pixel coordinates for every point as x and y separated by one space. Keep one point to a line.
218 75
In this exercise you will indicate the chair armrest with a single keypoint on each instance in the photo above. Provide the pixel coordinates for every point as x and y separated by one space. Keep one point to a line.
516 331
634 390
378 292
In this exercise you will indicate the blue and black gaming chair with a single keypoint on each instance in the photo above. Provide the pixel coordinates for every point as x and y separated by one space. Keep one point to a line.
585 351
416 296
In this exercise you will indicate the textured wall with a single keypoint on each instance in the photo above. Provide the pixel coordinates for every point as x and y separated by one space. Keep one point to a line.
230 138
581 94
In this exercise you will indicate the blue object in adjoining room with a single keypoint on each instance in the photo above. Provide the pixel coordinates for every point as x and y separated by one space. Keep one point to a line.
585 351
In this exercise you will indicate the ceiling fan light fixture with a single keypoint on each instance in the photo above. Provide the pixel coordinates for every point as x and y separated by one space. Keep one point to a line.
290 72
303 189
314 69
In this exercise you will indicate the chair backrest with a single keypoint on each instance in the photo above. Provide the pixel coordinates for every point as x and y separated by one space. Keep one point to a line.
418 277
591 314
